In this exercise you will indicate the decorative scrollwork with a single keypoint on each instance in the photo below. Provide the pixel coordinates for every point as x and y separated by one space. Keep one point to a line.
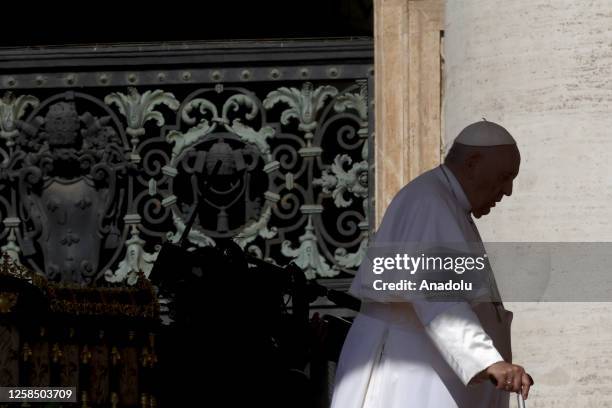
244 153
92 182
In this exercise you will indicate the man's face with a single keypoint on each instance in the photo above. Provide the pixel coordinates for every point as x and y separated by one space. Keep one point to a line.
492 174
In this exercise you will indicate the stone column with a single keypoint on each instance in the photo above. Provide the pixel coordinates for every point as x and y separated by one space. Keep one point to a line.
407 85
543 69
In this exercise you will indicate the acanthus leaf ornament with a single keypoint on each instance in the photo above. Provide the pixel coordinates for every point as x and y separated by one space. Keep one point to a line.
357 101
257 228
196 237
11 110
183 141
304 104
235 101
307 255
247 134
352 260
338 181
136 260
138 109
258 138
11 248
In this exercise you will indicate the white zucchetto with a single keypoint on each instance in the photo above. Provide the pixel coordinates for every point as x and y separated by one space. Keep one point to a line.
485 133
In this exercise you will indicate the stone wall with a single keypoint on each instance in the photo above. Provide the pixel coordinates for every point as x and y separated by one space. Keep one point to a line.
543 69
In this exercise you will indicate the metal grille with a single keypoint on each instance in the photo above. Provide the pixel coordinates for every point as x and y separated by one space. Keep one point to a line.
104 151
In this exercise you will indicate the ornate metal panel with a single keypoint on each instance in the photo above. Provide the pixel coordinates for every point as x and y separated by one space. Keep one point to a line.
101 164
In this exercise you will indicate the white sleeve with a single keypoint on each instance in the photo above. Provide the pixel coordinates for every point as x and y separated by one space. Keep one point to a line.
460 338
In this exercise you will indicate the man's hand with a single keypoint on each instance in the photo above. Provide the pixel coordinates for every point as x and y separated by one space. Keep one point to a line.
510 377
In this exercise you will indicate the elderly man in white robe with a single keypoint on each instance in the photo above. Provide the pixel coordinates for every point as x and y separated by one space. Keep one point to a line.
432 354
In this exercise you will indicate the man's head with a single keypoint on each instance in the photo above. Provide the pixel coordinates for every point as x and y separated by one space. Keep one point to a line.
485 160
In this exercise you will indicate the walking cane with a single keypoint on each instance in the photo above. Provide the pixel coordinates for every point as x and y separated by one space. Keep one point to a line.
520 401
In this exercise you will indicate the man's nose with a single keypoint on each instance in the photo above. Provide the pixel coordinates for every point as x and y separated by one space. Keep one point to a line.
507 189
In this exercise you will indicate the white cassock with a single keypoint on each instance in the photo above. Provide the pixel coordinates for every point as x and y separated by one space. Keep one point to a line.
423 354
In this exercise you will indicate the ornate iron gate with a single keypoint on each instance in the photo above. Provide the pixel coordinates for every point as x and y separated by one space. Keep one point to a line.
102 148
